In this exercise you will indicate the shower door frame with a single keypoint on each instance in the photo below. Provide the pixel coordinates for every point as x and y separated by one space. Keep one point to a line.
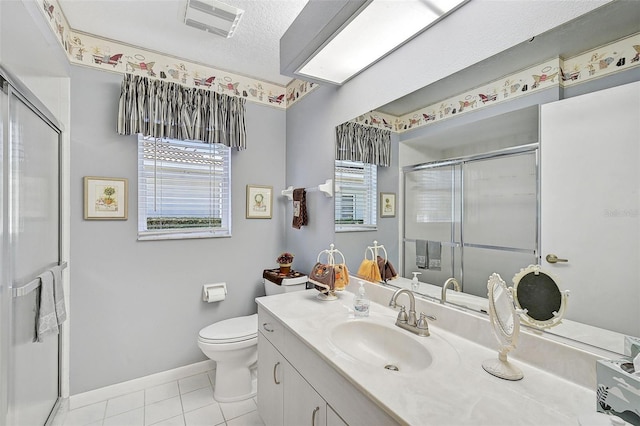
13 87
460 161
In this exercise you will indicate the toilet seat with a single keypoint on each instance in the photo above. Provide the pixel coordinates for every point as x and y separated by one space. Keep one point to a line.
231 330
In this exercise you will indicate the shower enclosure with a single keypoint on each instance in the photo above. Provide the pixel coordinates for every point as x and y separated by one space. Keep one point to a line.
474 215
30 140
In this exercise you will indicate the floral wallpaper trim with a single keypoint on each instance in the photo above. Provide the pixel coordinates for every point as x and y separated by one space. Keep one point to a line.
109 55
598 62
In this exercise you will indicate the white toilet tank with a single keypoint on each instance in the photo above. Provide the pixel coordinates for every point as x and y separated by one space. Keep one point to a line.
287 284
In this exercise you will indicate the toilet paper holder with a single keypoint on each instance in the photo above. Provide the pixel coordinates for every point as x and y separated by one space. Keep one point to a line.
214 292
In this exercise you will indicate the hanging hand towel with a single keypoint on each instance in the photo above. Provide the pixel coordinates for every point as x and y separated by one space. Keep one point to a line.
369 271
58 295
323 277
421 254
342 276
387 271
46 318
434 255
299 208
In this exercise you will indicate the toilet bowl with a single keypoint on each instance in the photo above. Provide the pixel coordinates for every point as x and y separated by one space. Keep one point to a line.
233 345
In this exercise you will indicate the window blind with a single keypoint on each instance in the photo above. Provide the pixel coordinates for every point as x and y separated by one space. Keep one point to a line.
183 189
355 199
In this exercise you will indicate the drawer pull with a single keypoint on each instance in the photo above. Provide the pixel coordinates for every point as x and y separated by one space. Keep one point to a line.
275 377
313 416
268 327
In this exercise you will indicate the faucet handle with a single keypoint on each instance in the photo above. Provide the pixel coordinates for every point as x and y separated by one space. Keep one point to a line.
422 322
402 315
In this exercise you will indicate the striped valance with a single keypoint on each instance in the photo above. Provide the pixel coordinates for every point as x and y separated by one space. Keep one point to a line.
163 109
355 142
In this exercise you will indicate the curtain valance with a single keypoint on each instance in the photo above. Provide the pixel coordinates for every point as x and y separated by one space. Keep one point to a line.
162 109
355 142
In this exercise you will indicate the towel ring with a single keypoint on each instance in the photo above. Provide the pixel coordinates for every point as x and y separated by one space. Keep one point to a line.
374 251
330 255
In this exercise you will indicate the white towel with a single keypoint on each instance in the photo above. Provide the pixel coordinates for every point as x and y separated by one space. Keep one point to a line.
58 295
46 318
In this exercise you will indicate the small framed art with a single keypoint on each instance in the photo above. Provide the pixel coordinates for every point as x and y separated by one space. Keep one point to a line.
387 204
105 198
259 201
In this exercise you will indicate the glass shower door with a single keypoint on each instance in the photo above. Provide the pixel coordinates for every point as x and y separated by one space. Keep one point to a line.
31 245
432 215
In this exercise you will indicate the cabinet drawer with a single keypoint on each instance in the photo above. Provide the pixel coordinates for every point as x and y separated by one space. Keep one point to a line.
271 328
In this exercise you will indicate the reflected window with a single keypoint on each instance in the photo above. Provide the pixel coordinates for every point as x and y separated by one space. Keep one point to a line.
355 196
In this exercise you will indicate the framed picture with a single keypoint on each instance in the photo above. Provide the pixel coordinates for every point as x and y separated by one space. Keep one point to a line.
387 204
105 198
259 201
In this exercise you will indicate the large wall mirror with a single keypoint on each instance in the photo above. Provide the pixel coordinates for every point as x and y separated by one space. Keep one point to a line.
500 188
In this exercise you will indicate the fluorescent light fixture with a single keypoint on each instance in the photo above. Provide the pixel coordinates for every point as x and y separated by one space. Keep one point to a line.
213 17
378 28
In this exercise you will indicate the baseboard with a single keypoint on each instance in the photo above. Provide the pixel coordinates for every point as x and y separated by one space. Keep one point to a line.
112 391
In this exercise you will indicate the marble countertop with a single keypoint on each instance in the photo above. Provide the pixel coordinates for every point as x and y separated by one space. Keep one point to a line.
454 390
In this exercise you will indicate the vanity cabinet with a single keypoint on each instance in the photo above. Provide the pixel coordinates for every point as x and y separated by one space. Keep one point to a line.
270 382
296 387
302 404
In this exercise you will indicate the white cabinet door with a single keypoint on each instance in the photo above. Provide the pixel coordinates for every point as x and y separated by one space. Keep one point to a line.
333 419
270 383
302 404
590 204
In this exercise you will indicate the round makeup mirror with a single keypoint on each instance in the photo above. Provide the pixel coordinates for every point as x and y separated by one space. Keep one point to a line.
506 327
539 299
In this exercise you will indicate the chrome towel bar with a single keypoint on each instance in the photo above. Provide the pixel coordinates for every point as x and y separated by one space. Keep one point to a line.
33 284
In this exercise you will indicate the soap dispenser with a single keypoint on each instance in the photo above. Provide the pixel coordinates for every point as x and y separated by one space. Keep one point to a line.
361 302
414 281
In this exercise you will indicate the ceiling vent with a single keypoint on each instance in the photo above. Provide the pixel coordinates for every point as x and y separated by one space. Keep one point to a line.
213 17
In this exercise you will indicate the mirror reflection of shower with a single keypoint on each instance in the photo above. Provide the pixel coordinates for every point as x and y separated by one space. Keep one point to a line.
466 218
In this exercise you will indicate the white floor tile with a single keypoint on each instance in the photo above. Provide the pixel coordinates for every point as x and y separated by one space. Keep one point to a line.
197 399
189 384
250 419
231 410
130 418
84 415
161 392
125 403
162 410
211 415
173 421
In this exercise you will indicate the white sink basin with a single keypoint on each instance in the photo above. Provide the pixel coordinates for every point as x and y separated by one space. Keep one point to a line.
381 345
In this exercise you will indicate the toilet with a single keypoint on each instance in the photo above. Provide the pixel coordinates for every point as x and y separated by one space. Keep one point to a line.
233 345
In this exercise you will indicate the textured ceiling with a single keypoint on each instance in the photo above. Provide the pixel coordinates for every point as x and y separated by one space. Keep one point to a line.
157 25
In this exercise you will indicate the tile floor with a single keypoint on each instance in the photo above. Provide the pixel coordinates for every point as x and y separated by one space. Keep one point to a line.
184 402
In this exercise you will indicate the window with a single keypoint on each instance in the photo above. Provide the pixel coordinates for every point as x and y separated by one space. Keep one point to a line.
355 199
183 189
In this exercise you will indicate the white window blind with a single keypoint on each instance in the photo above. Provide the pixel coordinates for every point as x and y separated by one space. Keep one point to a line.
183 189
355 198
433 191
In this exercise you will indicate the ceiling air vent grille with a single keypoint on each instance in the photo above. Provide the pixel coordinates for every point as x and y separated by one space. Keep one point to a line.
213 17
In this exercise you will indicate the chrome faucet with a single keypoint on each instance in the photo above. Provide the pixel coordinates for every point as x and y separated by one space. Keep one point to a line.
456 287
409 322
